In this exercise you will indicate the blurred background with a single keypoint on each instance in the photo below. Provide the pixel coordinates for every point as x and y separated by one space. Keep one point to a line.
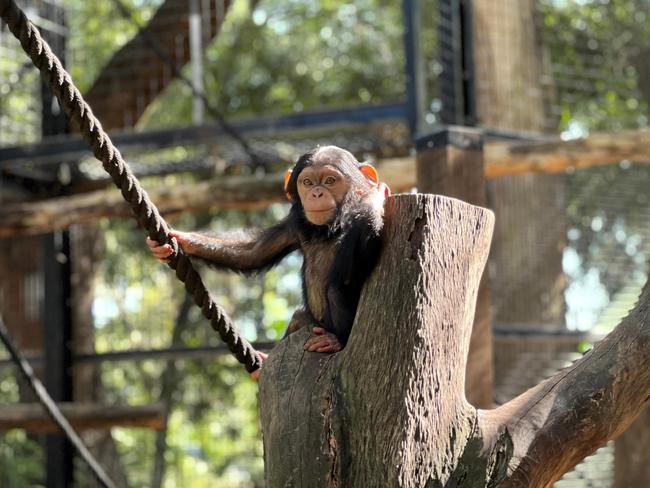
209 101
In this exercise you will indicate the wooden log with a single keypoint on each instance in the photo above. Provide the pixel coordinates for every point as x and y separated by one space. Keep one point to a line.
59 213
33 418
508 158
242 192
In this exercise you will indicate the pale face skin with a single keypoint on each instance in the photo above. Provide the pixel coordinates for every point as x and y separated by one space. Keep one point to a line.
321 189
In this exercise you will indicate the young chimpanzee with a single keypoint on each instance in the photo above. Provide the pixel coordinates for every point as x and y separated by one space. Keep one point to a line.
335 220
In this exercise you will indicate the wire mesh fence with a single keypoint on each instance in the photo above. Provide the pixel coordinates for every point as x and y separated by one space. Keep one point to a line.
20 104
569 253
567 67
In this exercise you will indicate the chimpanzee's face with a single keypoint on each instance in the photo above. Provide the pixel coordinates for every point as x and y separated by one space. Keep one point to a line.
321 188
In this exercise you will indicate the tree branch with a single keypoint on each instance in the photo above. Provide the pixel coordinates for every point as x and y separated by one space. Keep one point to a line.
567 417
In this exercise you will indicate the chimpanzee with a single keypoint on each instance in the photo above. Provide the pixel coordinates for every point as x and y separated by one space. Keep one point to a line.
335 221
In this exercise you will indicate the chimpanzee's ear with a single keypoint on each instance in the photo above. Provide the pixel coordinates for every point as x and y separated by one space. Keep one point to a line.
287 177
370 173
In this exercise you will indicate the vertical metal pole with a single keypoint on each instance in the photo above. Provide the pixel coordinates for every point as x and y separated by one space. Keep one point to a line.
450 49
415 88
196 57
57 337
57 319
468 72
53 120
455 48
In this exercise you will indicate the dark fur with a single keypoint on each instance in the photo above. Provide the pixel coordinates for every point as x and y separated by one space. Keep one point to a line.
338 257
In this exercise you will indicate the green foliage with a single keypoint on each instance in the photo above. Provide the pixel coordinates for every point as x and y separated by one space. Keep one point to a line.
19 86
596 51
21 460
606 256
584 346
221 439
293 55
99 30
15 445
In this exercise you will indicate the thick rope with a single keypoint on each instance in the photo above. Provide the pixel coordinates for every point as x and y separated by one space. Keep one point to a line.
52 409
145 211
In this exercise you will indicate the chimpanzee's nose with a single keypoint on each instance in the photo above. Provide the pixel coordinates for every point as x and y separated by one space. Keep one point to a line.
318 193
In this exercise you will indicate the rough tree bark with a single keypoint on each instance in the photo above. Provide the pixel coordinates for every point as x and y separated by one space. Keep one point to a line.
450 163
390 409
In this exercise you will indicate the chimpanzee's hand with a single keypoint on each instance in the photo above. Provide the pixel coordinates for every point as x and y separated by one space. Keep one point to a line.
323 341
256 374
186 240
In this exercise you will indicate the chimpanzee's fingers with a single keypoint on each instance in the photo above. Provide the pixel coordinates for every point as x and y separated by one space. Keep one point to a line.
151 243
162 251
311 341
318 330
184 239
314 343
180 236
316 338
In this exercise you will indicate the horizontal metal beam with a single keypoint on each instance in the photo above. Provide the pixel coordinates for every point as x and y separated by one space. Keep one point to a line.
205 352
61 148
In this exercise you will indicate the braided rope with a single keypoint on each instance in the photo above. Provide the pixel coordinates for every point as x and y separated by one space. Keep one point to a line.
145 211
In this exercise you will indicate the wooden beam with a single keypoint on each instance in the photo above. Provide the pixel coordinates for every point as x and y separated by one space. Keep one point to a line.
507 158
57 213
501 158
241 192
83 416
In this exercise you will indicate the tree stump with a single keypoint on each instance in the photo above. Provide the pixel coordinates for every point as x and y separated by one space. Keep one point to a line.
389 408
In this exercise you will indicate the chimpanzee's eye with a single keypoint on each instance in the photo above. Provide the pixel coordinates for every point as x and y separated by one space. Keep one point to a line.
307 182
330 180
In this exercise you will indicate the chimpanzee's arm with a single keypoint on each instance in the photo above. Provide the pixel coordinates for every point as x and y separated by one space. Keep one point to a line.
355 260
246 252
